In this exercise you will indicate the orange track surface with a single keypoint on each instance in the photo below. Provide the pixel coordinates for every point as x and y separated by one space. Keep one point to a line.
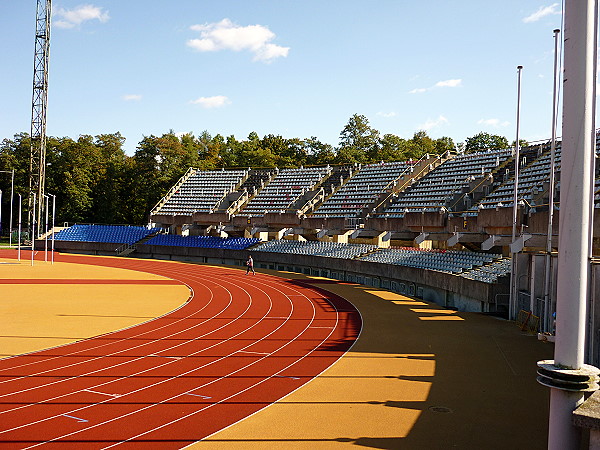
239 344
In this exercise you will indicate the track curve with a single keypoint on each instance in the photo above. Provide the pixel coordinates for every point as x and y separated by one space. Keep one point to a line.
239 344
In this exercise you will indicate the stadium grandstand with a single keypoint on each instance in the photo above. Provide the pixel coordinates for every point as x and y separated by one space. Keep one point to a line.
439 227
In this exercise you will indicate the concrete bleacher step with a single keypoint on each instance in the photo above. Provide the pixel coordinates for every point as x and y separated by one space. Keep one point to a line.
127 249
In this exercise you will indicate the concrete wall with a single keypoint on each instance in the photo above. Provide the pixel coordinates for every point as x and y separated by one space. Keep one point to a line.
441 288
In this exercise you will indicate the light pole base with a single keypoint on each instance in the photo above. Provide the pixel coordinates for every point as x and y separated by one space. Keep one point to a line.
554 376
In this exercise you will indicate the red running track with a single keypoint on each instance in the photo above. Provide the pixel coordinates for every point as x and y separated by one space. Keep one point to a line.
239 344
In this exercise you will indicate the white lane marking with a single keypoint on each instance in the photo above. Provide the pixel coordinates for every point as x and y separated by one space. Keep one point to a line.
250 387
78 419
253 353
177 376
185 373
120 351
101 393
283 376
198 395
168 357
311 320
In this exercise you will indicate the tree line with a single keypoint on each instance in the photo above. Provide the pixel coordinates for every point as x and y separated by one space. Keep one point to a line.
95 181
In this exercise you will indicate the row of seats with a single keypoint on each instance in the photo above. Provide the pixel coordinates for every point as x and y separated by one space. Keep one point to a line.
435 189
491 272
363 189
531 181
284 190
202 191
115 234
203 241
477 266
485 267
316 248
443 261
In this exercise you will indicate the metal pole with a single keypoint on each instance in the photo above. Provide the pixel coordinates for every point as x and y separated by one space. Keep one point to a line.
513 272
33 227
0 212
19 237
46 233
547 303
574 221
12 198
53 214
591 339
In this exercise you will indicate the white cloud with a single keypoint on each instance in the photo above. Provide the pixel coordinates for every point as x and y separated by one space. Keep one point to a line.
496 123
387 115
449 83
216 101
543 11
440 84
430 124
225 35
132 97
72 18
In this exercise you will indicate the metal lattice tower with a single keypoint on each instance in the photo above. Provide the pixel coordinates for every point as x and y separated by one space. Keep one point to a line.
37 162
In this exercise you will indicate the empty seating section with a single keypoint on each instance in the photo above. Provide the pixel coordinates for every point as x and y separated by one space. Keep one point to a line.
104 233
202 191
449 261
284 189
256 180
316 248
491 272
484 267
363 189
440 185
531 183
203 241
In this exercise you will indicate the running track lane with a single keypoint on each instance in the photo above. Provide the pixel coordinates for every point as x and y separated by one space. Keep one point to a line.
239 344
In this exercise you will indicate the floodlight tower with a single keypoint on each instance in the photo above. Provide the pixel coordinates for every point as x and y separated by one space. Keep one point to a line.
37 161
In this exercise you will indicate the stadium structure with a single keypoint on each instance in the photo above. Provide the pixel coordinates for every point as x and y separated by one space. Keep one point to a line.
437 228
470 232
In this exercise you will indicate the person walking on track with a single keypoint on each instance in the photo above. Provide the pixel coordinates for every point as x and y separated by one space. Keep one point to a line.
250 265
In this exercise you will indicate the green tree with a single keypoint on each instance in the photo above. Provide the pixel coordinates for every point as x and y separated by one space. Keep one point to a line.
391 148
359 143
318 152
443 145
522 143
485 141
108 194
253 154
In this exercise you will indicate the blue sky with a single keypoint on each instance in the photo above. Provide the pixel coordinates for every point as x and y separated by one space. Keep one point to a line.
297 69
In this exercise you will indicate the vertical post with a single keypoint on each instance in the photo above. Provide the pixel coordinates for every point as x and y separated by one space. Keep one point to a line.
46 232
547 302
19 237
39 101
53 214
514 276
0 212
574 222
591 339
33 227
12 198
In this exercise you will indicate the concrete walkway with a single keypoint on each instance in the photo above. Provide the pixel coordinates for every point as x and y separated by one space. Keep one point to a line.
419 377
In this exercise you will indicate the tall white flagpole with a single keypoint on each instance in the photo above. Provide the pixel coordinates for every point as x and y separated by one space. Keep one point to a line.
547 303
513 273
